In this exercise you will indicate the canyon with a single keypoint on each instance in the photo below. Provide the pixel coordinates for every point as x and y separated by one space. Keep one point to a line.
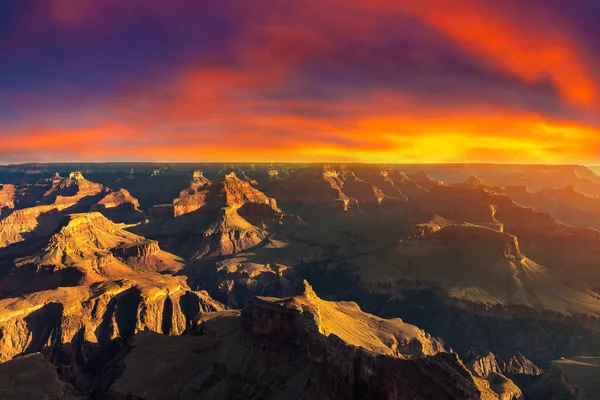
267 281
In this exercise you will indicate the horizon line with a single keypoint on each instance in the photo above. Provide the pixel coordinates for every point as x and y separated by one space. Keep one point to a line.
291 163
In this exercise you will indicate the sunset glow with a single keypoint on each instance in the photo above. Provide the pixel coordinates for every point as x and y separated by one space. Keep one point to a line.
340 81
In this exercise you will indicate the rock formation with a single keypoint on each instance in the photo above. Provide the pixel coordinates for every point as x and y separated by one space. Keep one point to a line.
74 325
86 248
300 347
425 180
542 238
194 197
478 182
7 199
60 194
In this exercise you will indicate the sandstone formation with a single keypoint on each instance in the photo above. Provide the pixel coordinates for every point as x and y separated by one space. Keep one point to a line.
218 218
486 265
500 374
60 194
478 182
408 186
568 205
345 189
194 197
542 238
425 180
86 248
119 206
76 324
300 348
7 199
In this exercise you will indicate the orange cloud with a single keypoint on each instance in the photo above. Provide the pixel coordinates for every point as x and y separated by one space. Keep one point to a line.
241 111
514 38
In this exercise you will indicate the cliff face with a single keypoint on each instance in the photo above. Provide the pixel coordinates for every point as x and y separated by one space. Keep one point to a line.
75 324
298 348
70 190
194 197
40 220
7 199
542 238
346 189
425 180
119 206
497 374
362 355
86 248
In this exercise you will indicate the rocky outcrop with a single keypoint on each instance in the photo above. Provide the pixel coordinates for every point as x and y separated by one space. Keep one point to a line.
86 248
425 180
116 199
314 186
306 319
407 186
119 206
367 194
40 220
519 365
7 199
478 182
76 324
231 234
298 348
238 207
70 190
194 197
486 367
215 218
362 355
342 188
541 237
236 280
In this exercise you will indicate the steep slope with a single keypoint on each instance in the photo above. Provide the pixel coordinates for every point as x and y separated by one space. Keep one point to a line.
380 178
194 197
571 251
477 264
119 206
215 218
367 193
500 374
568 205
342 187
7 199
235 228
425 180
313 186
478 182
407 185
78 327
74 193
86 248
70 190
289 348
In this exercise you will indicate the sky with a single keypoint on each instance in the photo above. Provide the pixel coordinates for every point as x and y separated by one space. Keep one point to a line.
385 81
